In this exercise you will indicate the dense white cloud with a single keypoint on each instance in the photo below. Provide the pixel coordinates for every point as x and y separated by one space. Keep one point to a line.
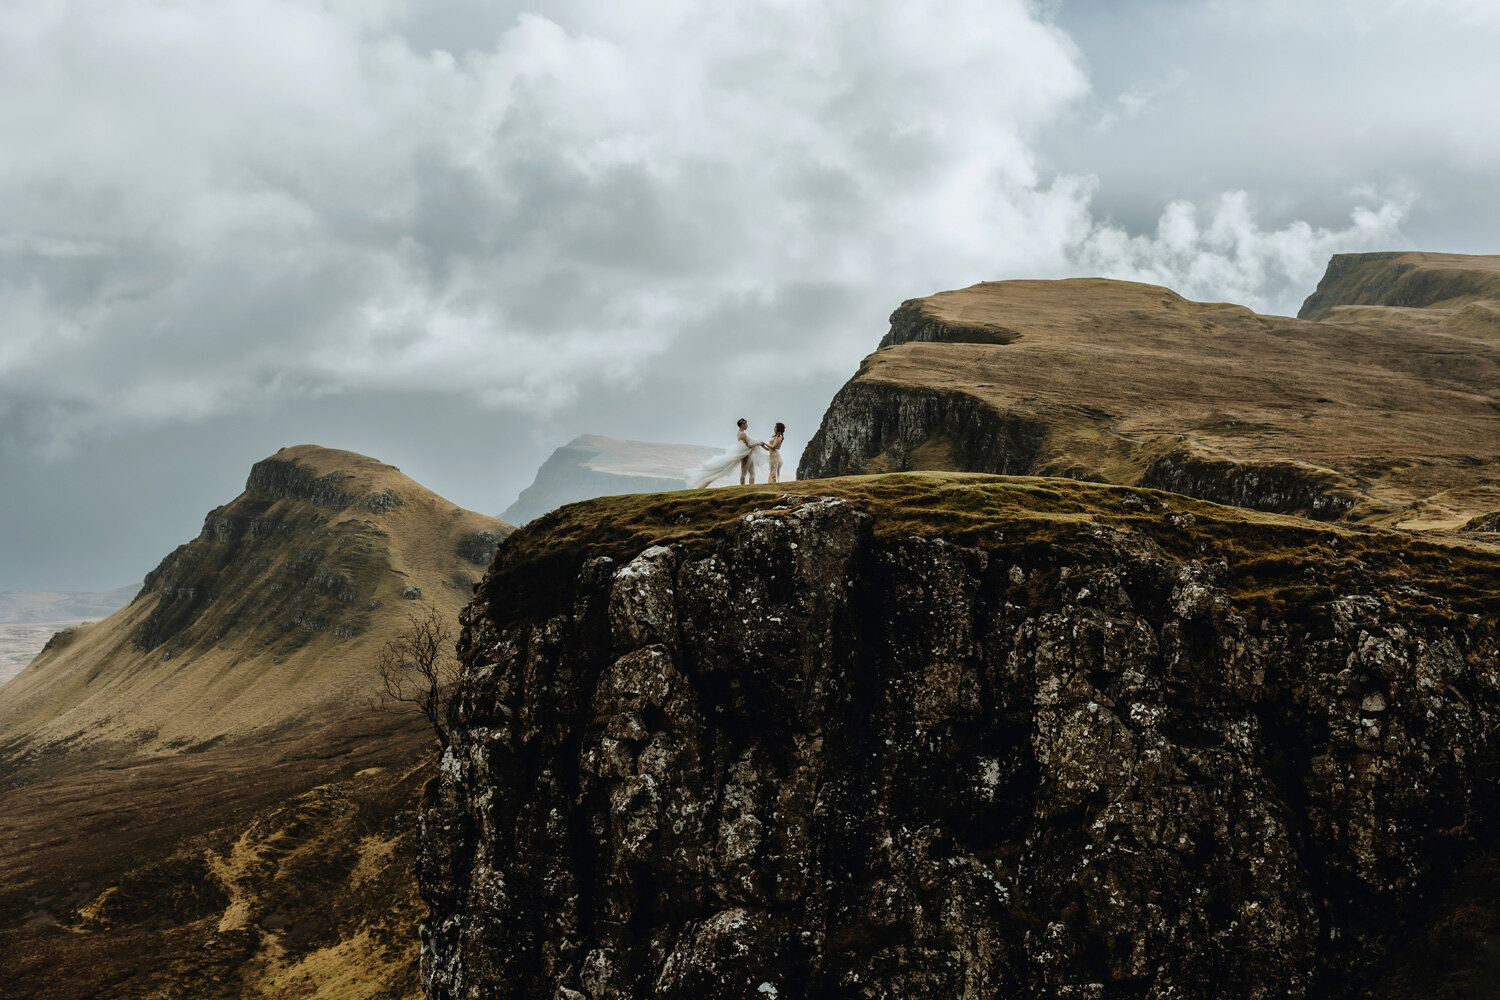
221 205
1230 257
218 202
454 233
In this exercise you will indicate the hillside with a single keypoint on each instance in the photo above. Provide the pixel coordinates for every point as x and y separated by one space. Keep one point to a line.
1379 421
937 735
269 618
199 796
594 466
1439 292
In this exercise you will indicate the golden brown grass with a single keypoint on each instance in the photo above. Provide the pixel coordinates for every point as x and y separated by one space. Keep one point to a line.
1404 416
1036 517
265 651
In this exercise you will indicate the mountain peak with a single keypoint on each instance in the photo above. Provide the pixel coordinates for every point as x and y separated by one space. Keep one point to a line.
329 477
593 465
270 616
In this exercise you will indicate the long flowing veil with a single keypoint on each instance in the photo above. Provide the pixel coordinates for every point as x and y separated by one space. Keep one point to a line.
720 466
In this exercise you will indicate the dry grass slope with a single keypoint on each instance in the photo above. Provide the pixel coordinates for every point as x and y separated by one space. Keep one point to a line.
196 797
1379 420
269 618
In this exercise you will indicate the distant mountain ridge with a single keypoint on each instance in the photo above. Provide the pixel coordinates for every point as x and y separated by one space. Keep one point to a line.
593 465
20 607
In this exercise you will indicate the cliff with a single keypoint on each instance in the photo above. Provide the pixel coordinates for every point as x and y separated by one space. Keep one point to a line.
595 466
1449 293
938 735
1384 420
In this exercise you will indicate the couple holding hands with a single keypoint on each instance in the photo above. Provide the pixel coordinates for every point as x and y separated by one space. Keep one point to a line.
742 453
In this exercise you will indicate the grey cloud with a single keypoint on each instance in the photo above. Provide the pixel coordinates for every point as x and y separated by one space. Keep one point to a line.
516 227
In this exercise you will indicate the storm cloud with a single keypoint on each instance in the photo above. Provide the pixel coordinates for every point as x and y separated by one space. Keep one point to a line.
239 219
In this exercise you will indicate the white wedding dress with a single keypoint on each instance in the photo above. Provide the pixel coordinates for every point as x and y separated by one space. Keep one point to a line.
720 466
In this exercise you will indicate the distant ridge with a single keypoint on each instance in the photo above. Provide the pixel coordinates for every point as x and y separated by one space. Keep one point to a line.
594 465
20 607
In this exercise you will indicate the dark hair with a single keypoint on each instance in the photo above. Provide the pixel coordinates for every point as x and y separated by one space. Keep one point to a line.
741 422
780 427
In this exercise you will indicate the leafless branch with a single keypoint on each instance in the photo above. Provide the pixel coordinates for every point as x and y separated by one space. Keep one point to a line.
418 667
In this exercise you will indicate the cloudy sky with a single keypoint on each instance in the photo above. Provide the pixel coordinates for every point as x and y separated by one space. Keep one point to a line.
453 234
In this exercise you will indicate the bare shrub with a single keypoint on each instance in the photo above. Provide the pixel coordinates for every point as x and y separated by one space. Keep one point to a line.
418 667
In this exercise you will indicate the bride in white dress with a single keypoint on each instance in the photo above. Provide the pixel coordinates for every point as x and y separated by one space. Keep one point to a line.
741 453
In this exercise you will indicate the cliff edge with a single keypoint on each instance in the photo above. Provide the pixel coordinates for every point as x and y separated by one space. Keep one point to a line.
1450 293
937 735
1381 419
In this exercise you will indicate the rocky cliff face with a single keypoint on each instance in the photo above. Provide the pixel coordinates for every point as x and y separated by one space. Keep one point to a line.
947 736
1380 415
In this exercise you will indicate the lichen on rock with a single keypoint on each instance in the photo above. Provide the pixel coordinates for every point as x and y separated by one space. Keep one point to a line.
813 750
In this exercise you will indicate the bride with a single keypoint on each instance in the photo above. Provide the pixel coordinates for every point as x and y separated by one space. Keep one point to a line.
741 453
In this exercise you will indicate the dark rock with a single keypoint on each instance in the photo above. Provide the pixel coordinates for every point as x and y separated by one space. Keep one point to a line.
808 759
870 428
1279 487
479 547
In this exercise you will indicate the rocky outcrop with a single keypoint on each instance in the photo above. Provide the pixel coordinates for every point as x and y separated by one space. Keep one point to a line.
871 428
1280 487
960 737
912 323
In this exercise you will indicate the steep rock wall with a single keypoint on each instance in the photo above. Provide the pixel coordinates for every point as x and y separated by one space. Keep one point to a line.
880 428
1279 487
1158 750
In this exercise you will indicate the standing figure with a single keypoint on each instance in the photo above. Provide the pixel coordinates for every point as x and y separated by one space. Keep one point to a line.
747 464
774 447
740 453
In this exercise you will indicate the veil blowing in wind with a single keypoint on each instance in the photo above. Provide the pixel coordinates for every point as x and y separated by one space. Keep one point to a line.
741 455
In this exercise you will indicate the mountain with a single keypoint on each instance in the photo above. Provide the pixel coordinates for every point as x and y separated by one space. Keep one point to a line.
19 607
935 735
1440 292
1379 417
593 466
199 796
270 618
